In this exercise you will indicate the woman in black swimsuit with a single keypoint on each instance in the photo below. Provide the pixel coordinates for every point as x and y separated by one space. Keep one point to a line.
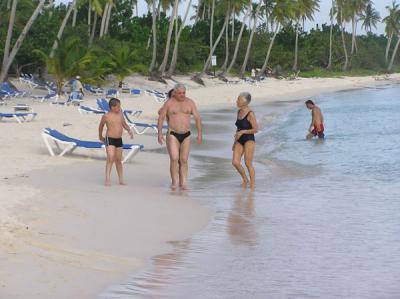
244 143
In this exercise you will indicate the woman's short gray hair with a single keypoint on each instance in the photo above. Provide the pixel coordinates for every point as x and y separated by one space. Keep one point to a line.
179 86
246 95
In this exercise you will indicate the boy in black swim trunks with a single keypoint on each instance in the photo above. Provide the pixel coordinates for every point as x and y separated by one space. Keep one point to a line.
115 123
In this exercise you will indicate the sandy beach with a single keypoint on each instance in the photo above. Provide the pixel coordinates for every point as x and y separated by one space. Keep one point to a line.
64 235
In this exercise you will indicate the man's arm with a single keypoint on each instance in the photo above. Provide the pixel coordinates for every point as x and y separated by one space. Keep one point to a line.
101 127
162 114
312 120
197 119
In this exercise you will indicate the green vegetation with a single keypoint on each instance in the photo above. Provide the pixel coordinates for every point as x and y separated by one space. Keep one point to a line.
98 38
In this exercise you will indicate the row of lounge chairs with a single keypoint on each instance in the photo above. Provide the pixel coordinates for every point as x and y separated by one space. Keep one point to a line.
138 127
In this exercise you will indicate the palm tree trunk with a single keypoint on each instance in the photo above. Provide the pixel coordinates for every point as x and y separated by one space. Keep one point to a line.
51 4
8 4
174 58
93 28
103 19
89 17
390 67
389 43
235 53
108 19
329 67
296 48
163 65
353 36
214 47
9 32
74 15
253 30
197 11
225 64
18 43
271 44
203 15
233 25
212 24
62 28
346 55
154 32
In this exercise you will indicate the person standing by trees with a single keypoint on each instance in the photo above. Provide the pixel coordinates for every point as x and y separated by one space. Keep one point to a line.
77 86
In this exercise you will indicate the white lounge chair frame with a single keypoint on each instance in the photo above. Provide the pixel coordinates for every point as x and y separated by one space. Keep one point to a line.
21 119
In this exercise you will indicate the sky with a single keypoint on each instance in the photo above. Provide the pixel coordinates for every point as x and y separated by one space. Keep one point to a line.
321 17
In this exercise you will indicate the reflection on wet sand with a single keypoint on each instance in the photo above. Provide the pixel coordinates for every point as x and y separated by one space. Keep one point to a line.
240 223
151 282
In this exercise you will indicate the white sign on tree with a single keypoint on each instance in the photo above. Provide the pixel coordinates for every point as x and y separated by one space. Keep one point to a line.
213 60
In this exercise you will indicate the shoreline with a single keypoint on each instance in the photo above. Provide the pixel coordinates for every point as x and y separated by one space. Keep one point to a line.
24 161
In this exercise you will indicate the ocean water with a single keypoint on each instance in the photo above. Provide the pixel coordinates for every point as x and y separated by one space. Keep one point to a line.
323 222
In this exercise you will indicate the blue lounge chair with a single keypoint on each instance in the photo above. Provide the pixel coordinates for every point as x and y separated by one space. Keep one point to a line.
112 92
103 105
159 96
93 90
47 97
141 128
89 110
20 117
71 144
6 87
135 92
75 98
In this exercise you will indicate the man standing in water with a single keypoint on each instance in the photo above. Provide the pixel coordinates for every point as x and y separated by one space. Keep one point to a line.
177 110
317 121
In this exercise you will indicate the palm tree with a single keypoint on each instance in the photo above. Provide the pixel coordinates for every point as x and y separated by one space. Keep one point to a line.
278 14
154 33
20 40
396 48
70 58
174 12
341 13
256 8
97 8
208 61
62 27
236 51
302 9
391 24
369 17
174 58
354 8
122 60
331 16
105 21
396 31
9 32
